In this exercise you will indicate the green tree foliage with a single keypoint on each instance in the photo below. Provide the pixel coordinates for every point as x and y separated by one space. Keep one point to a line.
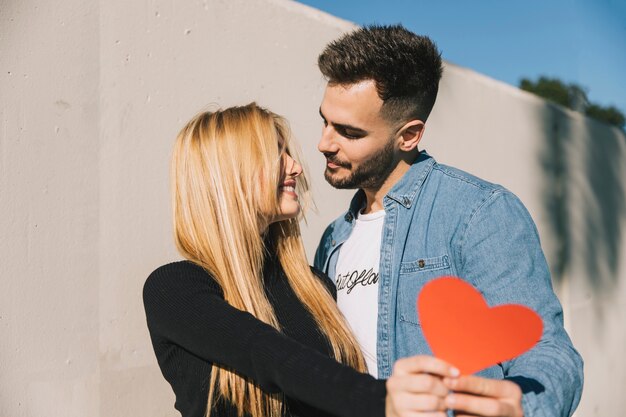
610 115
573 97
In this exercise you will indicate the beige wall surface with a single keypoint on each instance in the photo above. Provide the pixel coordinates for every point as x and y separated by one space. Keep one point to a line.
49 209
91 96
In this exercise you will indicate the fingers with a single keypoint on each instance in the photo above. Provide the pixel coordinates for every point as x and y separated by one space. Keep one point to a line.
416 388
418 402
484 397
417 414
481 406
415 405
417 383
421 392
425 414
484 387
424 364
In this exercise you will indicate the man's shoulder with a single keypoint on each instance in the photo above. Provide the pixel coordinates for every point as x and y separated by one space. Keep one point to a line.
449 184
454 193
457 192
463 179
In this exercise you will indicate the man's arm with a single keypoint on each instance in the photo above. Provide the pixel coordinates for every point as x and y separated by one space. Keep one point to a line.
501 255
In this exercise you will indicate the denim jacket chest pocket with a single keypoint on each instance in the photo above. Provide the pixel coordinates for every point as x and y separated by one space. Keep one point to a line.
413 276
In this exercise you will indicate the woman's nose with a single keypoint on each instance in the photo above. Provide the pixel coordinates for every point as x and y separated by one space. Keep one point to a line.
293 167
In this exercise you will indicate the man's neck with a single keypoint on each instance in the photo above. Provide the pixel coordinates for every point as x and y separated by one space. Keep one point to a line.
375 196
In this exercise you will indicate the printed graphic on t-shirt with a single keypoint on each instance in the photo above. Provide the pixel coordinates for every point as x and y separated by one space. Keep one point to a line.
354 279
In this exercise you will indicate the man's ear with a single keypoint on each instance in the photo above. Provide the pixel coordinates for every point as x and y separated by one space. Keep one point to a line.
410 135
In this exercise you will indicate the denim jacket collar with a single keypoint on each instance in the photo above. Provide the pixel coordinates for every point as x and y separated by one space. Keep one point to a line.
404 191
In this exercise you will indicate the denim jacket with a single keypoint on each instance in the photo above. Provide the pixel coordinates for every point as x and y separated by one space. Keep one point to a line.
443 221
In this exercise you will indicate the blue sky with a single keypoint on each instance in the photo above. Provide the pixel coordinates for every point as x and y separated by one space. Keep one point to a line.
579 41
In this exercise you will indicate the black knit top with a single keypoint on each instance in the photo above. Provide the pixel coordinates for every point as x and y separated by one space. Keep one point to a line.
191 326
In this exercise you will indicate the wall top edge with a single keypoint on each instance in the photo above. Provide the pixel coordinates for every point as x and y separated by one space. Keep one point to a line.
517 92
313 13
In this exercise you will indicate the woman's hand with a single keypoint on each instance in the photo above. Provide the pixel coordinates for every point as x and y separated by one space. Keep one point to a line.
416 388
477 396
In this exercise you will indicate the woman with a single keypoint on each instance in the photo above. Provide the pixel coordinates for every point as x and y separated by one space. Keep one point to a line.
244 326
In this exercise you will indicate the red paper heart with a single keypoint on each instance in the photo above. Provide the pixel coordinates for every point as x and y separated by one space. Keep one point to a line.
464 331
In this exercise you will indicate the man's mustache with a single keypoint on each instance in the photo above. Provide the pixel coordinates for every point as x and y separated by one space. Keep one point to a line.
334 160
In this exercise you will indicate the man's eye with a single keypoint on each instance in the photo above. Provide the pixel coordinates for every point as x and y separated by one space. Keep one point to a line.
349 134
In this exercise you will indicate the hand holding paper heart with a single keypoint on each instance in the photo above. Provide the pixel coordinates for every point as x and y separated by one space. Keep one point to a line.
463 330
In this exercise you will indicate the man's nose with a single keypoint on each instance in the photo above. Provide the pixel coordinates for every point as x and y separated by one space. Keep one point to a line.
327 143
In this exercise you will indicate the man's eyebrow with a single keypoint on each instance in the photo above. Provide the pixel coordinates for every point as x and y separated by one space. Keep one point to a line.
344 126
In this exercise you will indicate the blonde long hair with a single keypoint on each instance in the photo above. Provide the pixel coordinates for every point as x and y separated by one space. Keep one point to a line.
226 169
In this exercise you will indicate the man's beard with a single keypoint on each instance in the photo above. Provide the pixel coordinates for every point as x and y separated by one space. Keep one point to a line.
371 174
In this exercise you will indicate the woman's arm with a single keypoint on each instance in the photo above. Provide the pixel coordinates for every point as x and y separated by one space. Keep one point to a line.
184 305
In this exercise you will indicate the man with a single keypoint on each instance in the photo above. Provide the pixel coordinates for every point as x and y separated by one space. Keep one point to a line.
413 220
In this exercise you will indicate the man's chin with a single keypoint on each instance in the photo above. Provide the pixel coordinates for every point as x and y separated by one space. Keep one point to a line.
339 182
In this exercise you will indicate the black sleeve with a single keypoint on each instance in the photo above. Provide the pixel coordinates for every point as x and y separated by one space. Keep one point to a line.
328 283
183 304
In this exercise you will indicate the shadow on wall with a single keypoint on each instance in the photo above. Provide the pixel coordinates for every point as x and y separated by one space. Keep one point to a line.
584 196
554 164
604 204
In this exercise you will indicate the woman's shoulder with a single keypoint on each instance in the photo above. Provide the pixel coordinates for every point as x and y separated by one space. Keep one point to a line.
179 274
179 267
325 279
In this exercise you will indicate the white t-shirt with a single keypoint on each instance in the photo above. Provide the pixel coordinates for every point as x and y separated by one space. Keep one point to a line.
357 282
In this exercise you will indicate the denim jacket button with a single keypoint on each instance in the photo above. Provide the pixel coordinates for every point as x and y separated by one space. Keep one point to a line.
333 242
421 263
349 217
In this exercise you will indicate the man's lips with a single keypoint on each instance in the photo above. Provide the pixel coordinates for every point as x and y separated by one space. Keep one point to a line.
334 164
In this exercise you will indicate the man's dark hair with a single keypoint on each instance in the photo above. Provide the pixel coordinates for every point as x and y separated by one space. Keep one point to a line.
405 67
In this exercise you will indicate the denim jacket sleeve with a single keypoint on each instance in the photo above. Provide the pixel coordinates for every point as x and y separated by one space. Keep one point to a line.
501 255
322 249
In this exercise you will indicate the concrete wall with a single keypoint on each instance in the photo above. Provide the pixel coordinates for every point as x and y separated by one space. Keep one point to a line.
49 209
91 96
